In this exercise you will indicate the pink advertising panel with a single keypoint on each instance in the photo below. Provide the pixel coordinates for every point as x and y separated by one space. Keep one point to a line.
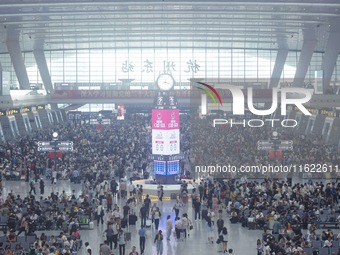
165 119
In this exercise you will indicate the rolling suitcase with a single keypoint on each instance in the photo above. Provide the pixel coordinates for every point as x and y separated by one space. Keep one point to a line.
91 225
132 219
204 214
123 223
148 223
127 236
252 225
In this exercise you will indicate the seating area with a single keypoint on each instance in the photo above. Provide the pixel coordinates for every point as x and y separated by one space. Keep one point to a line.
25 244
49 214
323 242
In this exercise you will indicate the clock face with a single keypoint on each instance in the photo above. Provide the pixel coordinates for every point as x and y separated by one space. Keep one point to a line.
165 81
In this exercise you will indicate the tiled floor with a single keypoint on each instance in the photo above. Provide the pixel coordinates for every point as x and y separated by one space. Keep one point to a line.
241 240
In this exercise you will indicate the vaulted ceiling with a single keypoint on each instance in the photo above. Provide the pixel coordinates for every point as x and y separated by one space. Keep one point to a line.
81 24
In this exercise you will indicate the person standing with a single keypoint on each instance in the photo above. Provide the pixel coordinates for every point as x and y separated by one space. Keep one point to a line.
143 214
220 224
224 235
178 228
121 242
100 214
197 207
161 194
109 235
126 212
157 216
185 224
32 187
115 234
105 249
214 203
122 187
113 186
142 237
42 186
147 203
168 227
54 176
259 247
176 208
159 242
109 201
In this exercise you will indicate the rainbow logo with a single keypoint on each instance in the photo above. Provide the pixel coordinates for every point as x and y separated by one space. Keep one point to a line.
208 92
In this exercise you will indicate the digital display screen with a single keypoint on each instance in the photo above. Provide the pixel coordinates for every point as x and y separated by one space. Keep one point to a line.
159 167
173 167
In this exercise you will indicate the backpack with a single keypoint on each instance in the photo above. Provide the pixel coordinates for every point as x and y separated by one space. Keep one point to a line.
73 227
109 232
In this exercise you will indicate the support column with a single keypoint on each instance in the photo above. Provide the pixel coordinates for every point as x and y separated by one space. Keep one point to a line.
1 84
14 50
278 67
307 51
40 59
331 54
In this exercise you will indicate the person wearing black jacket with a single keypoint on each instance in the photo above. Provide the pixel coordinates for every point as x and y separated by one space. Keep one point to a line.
220 224
147 203
143 215
197 207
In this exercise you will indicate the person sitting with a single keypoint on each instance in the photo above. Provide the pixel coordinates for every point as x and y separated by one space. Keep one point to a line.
18 247
328 243
8 250
259 219
12 236
234 217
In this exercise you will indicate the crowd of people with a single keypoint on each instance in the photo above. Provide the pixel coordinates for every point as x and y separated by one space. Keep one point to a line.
238 146
104 162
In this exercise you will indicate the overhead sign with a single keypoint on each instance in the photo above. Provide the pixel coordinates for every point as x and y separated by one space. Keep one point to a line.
57 143
268 145
65 143
64 148
41 143
55 148
44 146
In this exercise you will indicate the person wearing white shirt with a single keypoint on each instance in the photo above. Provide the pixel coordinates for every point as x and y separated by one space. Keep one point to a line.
266 249
328 242
184 224
168 227
100 214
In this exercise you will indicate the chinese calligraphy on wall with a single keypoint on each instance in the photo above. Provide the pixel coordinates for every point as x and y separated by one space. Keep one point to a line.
168 66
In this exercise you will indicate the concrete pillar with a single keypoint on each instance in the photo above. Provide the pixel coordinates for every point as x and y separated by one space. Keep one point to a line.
14 50
306 54
332 51
1 90
39 56
278 67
